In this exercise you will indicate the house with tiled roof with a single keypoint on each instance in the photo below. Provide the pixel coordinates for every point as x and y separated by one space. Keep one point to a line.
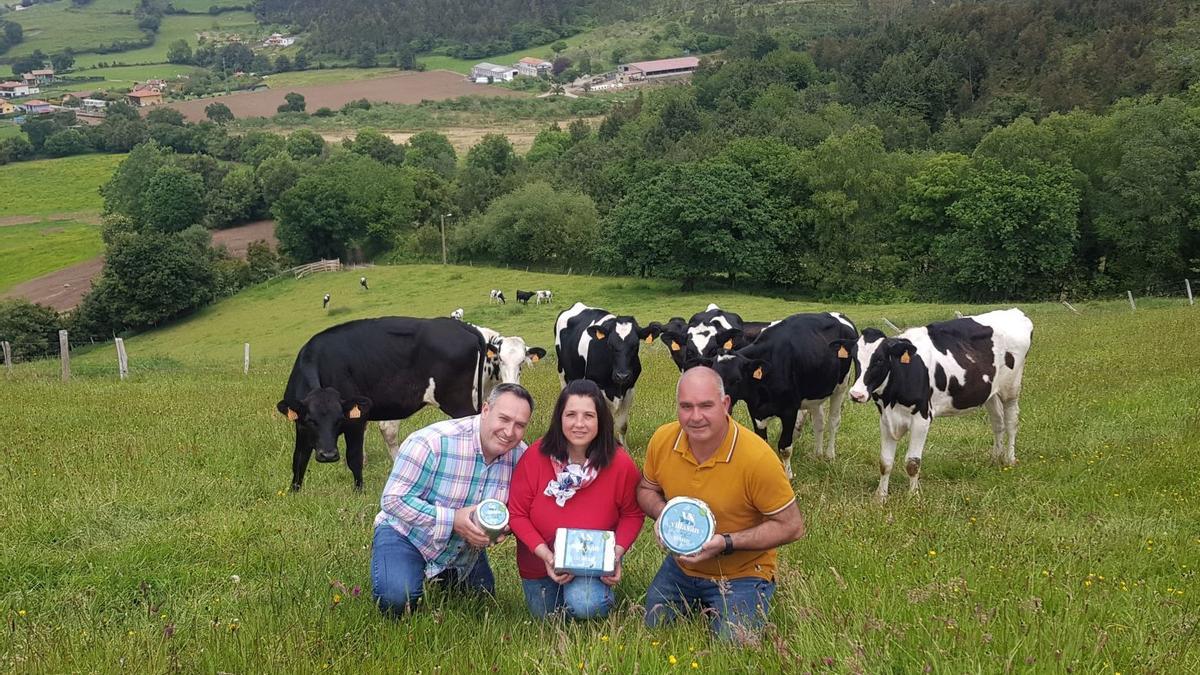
14 89
532 66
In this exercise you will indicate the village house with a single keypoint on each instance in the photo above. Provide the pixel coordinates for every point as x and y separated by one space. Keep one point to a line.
650 70
533 67
279 40
37 107
486 73
13 89
145 97
7 108
39 76
95 107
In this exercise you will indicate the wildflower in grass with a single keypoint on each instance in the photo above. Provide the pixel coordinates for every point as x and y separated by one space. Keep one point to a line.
695 665
932 553
604 638
21 612
337 599
356 591
234 626
169 630
672 660
235 578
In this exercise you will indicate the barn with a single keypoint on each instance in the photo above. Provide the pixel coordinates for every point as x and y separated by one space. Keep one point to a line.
651 70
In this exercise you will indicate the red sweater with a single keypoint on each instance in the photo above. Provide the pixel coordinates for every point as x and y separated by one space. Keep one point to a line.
607 503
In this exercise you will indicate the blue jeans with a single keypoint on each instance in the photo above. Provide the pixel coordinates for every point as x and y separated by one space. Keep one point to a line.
398 573
582 597
740 604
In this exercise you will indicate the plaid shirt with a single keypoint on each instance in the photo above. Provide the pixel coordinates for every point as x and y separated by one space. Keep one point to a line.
440 469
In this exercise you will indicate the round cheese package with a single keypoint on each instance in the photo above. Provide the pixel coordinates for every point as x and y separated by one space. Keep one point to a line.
492 517
685 524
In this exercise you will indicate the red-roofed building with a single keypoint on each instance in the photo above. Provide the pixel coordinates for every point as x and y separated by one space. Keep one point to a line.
646 70
533 67
37 107
145 97
13 89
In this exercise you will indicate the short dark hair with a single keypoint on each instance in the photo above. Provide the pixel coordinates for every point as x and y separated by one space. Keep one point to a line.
510 388
604 446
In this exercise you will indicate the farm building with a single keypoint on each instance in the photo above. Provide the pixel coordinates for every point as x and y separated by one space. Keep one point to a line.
145 97
40 76
533 67
279 40
37 107
93 106
648 70
12 89
486 73
7 108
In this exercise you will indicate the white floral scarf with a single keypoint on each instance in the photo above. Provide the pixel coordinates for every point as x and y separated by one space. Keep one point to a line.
570 478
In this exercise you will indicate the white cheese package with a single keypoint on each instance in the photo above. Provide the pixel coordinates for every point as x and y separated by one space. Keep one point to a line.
492 517
585 553
685 524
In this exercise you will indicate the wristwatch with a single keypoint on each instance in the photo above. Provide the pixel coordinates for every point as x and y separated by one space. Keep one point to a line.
728 544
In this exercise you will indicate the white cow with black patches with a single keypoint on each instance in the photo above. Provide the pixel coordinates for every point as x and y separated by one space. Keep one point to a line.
945 368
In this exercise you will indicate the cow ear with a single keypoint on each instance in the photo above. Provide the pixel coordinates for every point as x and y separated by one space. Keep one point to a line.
356 407
758 368
728 338
535 354
596 332
902 351
291 409
671 339
650 332
843 348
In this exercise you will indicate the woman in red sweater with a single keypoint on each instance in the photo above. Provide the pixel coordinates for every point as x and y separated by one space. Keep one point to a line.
574 476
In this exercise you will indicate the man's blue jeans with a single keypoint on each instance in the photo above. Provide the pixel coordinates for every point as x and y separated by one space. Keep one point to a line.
398 573
740 604
581 598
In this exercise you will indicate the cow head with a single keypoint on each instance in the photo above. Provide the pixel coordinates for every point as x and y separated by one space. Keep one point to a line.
743 377
507 355
878 358
674 336
324 413
622 336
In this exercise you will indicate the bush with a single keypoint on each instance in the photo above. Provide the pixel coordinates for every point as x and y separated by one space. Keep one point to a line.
31 329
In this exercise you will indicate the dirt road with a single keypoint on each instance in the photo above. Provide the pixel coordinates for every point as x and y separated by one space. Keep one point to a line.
65 288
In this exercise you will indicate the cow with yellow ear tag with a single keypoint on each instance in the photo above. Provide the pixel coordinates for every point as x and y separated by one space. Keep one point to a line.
794 369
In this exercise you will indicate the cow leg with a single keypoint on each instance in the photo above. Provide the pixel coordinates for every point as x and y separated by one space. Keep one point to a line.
621 415
300 457
354 451
995 410
786 438
916 447
760 427
390 430
887 456
836 402
818 424
1012 410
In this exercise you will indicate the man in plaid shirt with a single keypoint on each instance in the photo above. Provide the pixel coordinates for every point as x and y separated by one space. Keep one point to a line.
424 529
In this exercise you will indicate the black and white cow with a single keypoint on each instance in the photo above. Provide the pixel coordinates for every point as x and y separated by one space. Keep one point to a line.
377 369
942 369
497 295
506 357
524 297
457 314
599 346
792 368
544 296
706 334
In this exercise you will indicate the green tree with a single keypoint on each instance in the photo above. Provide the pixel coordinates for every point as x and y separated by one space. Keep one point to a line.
275 175
169 116
376 145
305 143
293 102
539 224
218 112
67 142
179 52
256 146
173 201
494 154
432 151
31 329
15 149
63 61
124 190
548 145
237 200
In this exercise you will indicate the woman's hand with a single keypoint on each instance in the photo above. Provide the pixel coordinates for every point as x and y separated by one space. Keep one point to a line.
543 551
612 579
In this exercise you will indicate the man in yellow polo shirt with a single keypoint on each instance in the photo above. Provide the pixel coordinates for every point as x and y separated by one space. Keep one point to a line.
707 455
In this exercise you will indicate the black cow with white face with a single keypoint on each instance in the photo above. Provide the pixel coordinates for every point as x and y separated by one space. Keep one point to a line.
524 297
792 368
944 368
706 334
599 346
377 369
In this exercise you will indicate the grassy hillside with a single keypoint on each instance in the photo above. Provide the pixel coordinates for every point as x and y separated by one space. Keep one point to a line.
54 26
176 27
146 521
66 185
29 251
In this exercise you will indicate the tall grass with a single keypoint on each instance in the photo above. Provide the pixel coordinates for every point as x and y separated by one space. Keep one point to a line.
145 523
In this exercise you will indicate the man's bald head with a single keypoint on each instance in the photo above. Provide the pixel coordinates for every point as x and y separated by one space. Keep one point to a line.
701 376
702 407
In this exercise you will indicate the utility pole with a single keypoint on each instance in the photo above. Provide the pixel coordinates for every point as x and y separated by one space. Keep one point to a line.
444 216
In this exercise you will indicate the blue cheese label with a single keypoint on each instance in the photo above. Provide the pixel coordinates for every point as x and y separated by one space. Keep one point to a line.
585 553
685 524
492 517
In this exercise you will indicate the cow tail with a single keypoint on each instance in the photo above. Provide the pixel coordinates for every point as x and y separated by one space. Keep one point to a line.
479 373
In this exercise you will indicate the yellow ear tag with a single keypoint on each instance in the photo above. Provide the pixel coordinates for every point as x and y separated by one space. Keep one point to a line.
729 344
758 374
842 353
534 358
292 415
649 339
599 335
491 353
354 413
905 358
674 346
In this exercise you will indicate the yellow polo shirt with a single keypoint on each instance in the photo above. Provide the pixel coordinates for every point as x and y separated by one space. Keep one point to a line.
742 483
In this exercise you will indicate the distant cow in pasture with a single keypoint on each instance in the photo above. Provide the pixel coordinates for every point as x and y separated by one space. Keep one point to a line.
524 297
497 296
706 334
794 367
543 296
378 369
457 314
594 344
944 368
325 302
362 281
507 356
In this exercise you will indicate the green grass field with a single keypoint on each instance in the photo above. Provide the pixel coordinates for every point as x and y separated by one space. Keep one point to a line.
146 521
124 77
29 251
49 186
52 27
175 27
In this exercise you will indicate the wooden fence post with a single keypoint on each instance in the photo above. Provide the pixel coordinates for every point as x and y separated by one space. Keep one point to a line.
7 348
64 354
1132 306
1068 306
122 359
246 359
1188 284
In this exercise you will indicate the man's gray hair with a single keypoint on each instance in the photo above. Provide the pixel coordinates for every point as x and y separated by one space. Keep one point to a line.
696 371
509 388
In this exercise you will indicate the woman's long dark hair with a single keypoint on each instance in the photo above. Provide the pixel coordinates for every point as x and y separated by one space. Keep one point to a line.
604 446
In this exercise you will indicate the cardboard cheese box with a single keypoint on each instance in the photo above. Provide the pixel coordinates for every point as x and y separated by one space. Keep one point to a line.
585 553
